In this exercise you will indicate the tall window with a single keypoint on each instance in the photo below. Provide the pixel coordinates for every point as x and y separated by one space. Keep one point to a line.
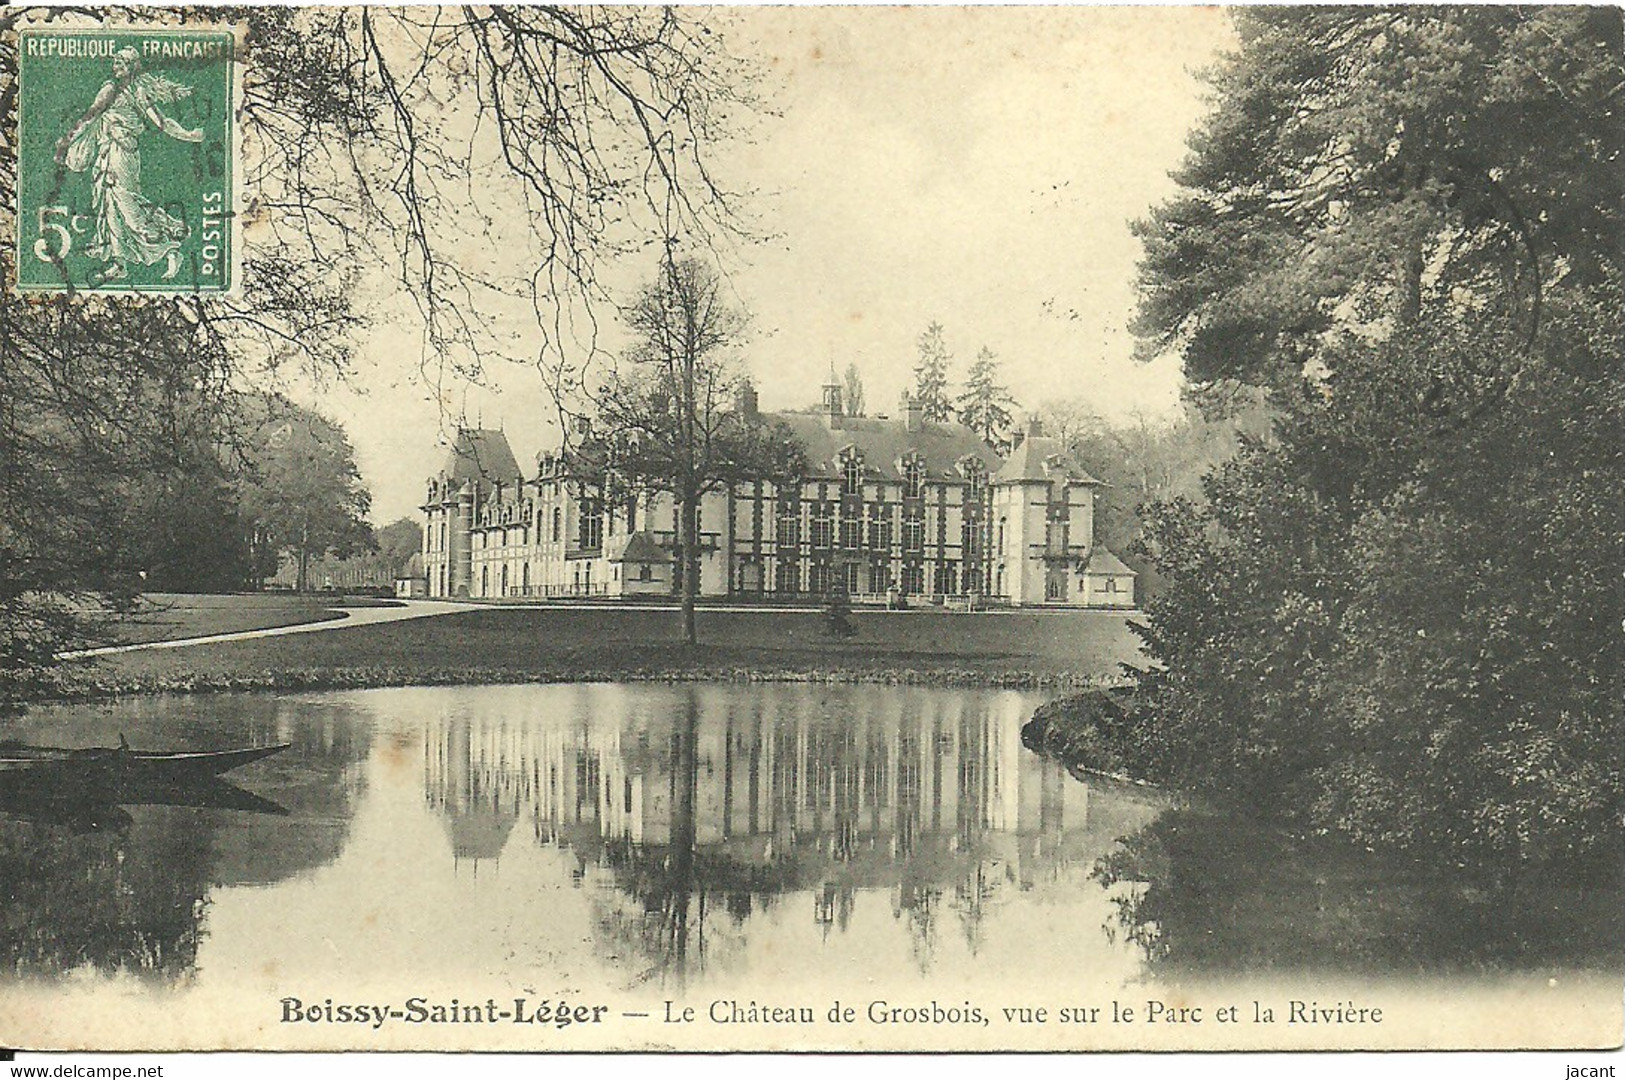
818 578
851 532
973 581
879 527
558 522
822 527
913 534
1056 527
914 580
788 579
975 483
789 524
590 529
879 578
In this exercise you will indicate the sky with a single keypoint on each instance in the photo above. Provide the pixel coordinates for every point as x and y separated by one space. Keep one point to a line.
974 167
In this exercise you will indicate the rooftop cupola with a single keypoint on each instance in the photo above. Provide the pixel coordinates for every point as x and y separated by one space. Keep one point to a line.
832 399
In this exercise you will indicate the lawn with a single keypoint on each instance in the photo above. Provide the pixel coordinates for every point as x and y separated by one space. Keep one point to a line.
168 616
558 643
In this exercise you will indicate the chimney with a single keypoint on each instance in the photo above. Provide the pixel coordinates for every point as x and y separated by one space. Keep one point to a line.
1035 426
913 412
747 402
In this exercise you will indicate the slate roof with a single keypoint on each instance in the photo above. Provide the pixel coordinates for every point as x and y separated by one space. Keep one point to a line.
1042 458
481 455
883 443
638 547
1102 561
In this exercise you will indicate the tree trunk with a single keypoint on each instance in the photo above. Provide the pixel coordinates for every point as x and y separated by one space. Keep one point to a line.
301 582
691 564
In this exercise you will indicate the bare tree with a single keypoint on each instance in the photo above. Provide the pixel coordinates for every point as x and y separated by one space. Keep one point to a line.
469 157
498 158
1070 419
667 416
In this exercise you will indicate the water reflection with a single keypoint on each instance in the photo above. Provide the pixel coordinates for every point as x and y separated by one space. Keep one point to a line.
559 837
704 806
125 889
1189 895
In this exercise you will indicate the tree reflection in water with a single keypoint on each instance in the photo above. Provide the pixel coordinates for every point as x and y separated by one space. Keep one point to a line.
114 900
1188 891
126 888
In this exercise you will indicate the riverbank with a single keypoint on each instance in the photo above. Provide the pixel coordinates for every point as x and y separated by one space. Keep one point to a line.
1037 649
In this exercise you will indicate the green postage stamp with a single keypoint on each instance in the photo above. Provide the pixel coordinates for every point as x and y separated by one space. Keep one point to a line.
127 160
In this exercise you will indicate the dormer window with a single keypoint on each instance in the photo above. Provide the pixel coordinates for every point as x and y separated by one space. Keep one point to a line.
975 474
851 473
913 478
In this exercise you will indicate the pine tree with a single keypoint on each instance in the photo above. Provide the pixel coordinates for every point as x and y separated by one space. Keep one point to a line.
931 376
983 405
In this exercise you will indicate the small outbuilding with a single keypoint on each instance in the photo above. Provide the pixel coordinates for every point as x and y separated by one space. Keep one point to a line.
639 566
1106 581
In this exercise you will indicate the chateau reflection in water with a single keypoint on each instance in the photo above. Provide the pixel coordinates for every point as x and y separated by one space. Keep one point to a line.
708 797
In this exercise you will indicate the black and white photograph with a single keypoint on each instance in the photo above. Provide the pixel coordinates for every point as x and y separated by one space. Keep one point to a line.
812 530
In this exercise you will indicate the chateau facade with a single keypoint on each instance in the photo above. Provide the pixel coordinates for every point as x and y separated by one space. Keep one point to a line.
895 509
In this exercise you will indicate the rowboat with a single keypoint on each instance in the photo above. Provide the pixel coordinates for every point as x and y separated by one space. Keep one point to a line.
102 768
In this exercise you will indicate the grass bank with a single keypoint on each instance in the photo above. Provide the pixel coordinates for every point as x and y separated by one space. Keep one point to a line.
556 644
172 616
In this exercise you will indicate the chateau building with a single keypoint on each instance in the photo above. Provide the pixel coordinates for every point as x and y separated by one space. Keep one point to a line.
895 508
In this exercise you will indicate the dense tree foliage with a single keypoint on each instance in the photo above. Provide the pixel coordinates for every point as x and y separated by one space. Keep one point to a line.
1145 459
853 399
302 489
1401 614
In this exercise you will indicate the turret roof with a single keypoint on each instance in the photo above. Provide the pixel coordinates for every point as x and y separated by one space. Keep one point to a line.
481 455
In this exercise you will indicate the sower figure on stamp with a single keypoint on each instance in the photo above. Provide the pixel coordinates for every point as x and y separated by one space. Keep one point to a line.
129 228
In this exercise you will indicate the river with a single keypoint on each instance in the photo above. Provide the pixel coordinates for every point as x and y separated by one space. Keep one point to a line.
763 843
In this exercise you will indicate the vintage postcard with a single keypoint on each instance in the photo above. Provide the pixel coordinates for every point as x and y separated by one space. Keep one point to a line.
811 529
